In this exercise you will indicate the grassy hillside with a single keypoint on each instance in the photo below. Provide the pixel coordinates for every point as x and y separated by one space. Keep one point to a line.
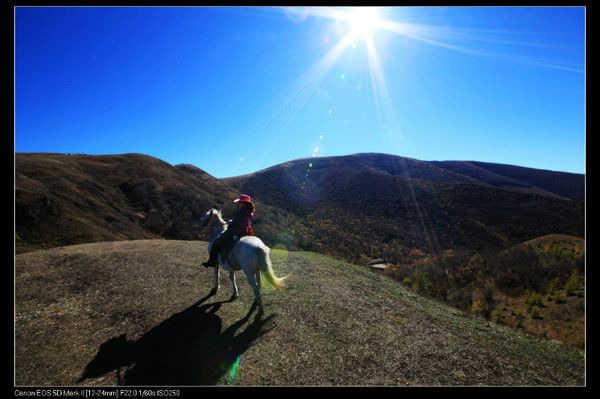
558 244
70 199
537 285
136 312
555 309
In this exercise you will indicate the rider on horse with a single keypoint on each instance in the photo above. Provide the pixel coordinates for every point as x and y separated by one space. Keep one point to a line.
239 227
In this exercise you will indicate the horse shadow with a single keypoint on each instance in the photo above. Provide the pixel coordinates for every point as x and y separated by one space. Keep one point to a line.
188 348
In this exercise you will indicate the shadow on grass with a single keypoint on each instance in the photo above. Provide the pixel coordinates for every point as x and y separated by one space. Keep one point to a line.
188 348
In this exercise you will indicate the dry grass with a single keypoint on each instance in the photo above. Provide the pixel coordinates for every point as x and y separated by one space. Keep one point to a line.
136 312
564 321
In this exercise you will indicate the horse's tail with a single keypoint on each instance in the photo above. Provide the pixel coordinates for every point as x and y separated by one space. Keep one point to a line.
266 266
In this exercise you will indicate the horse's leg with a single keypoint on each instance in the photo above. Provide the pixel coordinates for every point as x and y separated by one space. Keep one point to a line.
254 285
216 285
258 277
234 283
258 287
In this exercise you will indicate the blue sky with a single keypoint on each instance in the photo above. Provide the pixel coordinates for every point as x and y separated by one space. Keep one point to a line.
234 90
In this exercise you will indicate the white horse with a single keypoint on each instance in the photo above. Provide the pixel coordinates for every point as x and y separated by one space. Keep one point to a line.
249 254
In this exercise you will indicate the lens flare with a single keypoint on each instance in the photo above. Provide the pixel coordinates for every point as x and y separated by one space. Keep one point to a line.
363 21
233 371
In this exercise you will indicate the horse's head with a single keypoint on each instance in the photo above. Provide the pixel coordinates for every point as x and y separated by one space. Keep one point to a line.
212 214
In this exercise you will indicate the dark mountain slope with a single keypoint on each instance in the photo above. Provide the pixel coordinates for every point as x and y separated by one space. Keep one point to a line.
567 185
66 199
363 205
377 204
62 199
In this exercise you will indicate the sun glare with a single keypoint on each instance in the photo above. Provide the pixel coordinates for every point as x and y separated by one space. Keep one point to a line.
363 21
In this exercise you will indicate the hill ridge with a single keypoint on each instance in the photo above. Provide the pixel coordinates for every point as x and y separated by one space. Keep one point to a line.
403 204
443 165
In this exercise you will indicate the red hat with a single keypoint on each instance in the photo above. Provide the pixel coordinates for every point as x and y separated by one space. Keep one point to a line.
243 198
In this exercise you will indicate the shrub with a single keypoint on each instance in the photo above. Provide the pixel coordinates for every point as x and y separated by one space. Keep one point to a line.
488 296
572 284
532 299
498 314
459 298
558 298
519 321
476 306
552 286
520 317
535 313
481 307
422 284
516 268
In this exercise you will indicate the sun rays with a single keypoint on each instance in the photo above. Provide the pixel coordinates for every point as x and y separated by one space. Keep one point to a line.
360 24
361 27
363 22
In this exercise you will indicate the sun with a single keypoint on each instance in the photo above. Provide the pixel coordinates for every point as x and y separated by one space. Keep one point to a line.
363 21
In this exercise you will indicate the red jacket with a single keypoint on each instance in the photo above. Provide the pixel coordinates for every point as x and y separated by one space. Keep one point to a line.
241 221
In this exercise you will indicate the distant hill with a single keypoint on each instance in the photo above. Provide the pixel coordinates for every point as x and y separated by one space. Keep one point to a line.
67 199
378 205
137 313
358 207
566 185
559 244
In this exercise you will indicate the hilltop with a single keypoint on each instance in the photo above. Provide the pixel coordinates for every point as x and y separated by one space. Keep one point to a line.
377 205
358 207
69 199
136 312
558 243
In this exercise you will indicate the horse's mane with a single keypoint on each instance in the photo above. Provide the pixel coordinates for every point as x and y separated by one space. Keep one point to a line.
217 213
